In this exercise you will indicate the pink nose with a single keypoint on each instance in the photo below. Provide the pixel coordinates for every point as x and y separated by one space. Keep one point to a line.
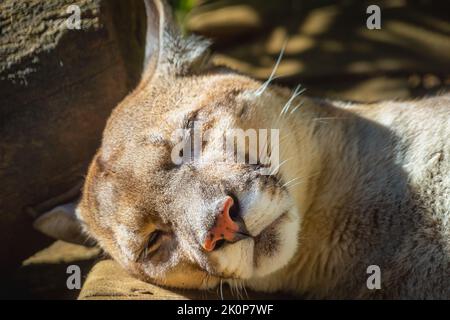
224 228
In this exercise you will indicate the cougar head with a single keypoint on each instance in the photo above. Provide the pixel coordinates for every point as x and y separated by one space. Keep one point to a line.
180 218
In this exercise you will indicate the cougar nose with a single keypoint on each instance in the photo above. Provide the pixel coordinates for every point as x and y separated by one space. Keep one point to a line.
228 226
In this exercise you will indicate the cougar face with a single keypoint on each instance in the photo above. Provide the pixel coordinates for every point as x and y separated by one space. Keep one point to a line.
159 218
193 222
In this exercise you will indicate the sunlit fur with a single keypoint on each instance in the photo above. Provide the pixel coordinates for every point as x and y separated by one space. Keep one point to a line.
358 185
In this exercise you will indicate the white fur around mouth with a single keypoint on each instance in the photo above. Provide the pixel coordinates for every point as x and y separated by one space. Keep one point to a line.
241 260
287 227
277 220
261 212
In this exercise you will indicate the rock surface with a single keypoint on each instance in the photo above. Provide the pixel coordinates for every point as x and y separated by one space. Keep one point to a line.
57 88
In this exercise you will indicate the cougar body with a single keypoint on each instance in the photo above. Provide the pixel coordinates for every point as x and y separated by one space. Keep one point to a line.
357 185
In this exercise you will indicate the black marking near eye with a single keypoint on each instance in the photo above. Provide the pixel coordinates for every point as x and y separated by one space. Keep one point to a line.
243 111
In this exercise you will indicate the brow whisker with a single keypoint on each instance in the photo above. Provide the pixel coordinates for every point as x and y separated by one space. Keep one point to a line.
272 74
297 92
296 107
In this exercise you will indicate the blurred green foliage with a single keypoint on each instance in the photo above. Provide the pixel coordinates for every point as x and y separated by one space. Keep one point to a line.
182 8
183 5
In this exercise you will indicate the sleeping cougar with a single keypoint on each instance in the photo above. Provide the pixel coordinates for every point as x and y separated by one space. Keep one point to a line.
357 185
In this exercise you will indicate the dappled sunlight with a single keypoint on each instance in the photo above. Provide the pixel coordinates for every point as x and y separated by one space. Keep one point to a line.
329 41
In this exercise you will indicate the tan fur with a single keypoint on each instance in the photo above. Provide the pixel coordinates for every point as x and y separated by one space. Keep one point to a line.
373 187
381 197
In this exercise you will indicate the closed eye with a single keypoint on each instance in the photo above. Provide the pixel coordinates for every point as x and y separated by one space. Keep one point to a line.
151 245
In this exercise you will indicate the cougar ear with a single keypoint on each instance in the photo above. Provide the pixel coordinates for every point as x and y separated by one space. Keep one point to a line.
62 223
166 50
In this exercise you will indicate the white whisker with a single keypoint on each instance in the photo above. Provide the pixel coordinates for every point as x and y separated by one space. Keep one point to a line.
286 136
330 118
235 285
296 107
230 283
299 182
295 94
295 184
245 290
263 150
221 291
278 166
239 289
292 180
272 74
